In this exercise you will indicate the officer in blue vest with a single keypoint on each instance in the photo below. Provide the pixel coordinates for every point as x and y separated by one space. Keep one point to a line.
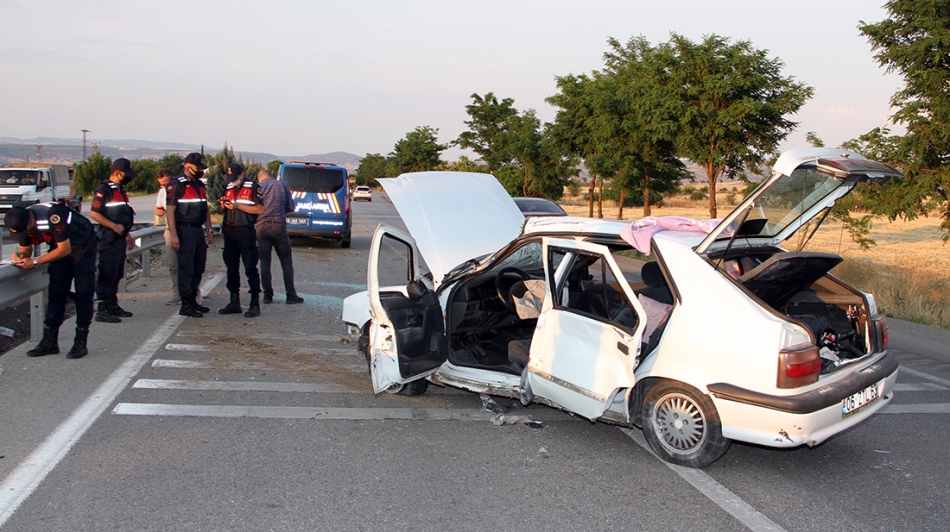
111 210
189 224
71 258
241 203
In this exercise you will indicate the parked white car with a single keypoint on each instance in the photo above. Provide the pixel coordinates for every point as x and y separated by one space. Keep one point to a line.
725 336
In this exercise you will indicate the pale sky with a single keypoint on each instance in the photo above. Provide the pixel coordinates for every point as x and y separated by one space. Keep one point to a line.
300 77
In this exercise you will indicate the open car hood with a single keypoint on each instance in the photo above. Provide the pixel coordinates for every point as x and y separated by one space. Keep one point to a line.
454 216
804 183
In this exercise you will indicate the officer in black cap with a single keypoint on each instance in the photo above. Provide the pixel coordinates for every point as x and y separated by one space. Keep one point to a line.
189 223
111 210
71 258
241 203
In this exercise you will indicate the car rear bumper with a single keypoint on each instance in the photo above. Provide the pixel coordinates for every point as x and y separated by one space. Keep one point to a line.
804 419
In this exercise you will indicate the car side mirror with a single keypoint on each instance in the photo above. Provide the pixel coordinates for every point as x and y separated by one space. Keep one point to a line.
416 290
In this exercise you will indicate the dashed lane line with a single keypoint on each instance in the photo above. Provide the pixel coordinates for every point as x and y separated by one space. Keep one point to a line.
328 413
920 387
24 479
714 491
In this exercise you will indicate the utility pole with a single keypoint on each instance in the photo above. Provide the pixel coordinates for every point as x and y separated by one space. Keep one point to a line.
84 131
39 157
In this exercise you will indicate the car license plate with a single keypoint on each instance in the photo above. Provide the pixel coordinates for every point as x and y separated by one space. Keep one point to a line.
296 221
855 402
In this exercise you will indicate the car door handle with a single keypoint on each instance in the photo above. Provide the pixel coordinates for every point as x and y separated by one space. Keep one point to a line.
623 348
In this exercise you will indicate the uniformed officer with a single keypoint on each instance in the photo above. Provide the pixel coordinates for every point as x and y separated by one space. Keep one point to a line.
189 225
242 202
71 258
111 210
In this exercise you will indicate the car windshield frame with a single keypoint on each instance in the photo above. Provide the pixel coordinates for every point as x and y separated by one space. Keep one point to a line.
16 177
314 179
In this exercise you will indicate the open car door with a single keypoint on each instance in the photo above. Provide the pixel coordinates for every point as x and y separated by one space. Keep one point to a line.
407 330
587 341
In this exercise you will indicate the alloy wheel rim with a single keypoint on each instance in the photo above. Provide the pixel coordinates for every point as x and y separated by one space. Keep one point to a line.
680 423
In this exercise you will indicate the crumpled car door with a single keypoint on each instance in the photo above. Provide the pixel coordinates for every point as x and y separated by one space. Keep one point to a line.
407 330
587 342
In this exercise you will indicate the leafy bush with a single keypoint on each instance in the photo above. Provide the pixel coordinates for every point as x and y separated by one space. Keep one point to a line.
89 173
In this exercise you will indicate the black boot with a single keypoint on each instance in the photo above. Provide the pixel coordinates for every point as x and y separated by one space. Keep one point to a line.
198 306
116 310
254 310
188 307
234 307
78 350
49 345
105 315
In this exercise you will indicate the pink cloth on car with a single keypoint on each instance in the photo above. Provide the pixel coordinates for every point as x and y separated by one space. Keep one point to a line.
639 233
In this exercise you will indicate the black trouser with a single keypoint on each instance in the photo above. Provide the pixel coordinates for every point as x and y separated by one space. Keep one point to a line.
62 274
192 256
240 245
274 235
112 250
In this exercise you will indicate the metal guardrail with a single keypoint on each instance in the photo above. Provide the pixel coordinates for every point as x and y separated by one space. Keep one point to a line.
16 283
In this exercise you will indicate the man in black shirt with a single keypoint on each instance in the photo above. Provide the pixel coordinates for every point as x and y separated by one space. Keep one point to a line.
241 203
71 258
189 224
111 210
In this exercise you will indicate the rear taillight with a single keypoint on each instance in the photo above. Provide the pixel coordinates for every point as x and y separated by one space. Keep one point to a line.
880 334
798 366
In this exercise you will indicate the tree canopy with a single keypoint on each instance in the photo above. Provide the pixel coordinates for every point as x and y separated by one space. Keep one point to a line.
372 167
418 151
914 41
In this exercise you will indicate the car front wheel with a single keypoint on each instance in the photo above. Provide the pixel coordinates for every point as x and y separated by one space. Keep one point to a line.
682 425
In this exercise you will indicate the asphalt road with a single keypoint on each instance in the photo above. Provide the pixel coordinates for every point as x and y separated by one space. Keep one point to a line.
228 423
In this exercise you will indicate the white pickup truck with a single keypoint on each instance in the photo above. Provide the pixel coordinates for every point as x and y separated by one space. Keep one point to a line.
23 184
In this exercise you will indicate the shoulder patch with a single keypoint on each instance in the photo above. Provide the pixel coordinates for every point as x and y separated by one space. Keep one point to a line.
55 219
98 194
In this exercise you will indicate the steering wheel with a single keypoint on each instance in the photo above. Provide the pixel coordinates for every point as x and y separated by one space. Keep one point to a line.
504 292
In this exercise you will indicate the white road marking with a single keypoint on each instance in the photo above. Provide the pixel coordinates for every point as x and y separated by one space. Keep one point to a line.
246 386
328 413
715 492
943 382
186 347
23 480
933 408
236 365
920 387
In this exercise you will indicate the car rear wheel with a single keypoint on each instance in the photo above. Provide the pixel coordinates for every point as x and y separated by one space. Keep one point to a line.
345 243
682 425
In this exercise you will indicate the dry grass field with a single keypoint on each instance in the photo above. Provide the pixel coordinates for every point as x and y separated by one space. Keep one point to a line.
906 270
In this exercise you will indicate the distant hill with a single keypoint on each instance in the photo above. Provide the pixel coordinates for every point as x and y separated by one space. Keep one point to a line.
69 151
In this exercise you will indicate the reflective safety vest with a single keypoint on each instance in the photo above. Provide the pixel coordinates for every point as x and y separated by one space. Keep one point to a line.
111 201
242 193
190 200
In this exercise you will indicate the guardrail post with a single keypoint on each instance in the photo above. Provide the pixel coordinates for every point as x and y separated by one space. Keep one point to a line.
37 314
146 262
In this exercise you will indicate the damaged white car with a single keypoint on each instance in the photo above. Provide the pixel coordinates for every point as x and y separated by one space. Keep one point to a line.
724 336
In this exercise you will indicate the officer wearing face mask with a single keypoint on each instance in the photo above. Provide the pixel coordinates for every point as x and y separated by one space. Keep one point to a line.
189 226
241 203
111 210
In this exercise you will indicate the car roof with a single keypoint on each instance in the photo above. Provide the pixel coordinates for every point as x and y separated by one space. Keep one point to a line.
539 207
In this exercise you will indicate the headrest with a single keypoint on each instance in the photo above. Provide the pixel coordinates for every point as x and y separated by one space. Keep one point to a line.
652 276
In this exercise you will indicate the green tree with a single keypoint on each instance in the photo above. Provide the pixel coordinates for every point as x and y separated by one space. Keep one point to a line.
173 162
464 164
417 152
489 129
573 128
89 173
372 167
914 41
273 167
146 181
732 102
812 138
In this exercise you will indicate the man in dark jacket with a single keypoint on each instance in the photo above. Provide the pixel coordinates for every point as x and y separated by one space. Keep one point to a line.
71 258
111 210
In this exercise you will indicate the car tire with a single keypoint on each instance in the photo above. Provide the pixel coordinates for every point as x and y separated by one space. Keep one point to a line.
363 346
682 425
410 389
345 243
